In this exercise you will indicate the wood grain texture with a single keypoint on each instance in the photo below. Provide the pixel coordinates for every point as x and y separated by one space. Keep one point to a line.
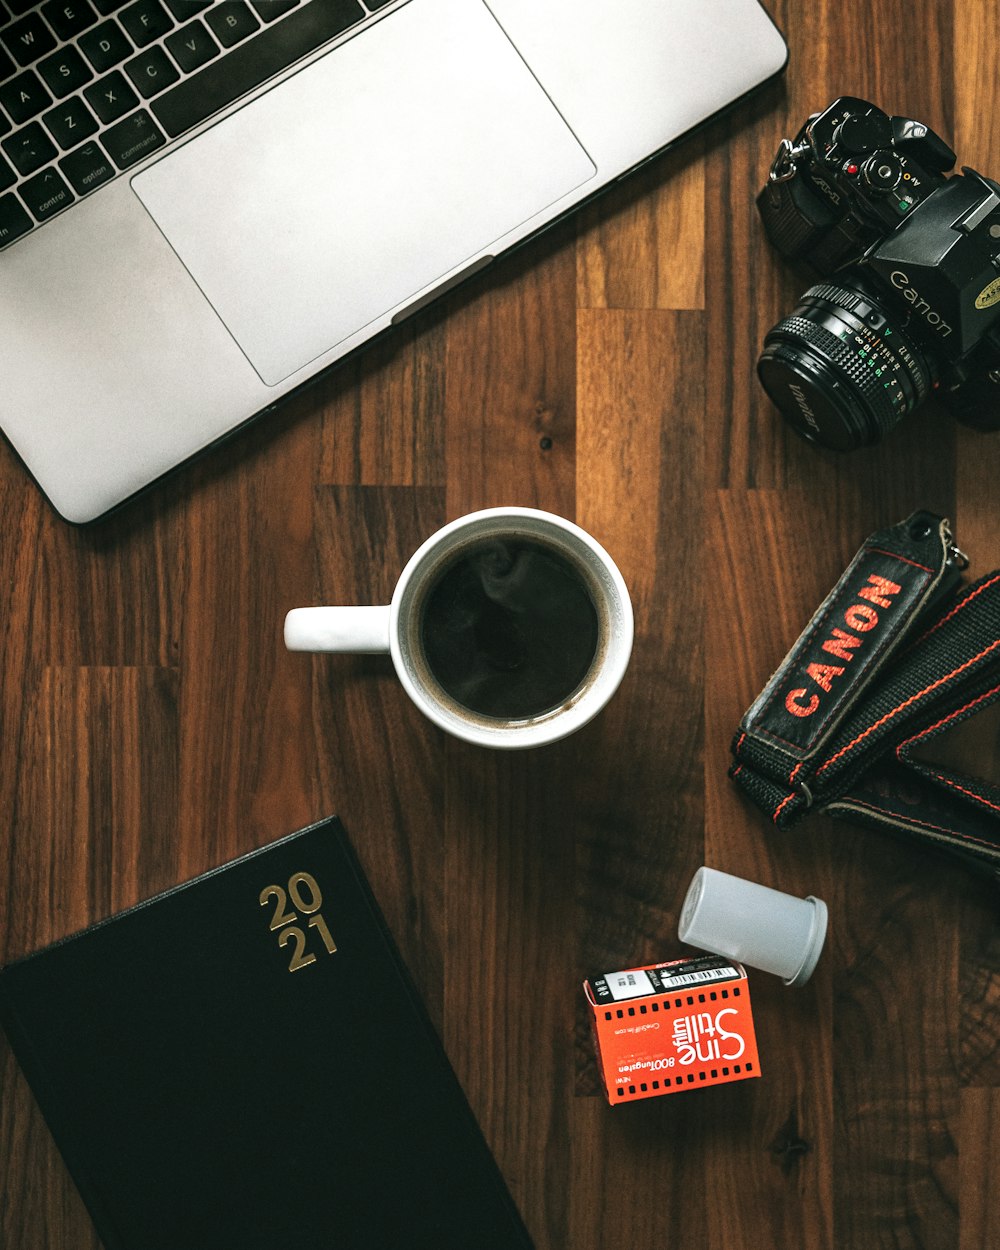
980 1219
152 725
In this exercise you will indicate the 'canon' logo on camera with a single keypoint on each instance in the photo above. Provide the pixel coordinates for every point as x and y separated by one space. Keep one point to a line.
912 296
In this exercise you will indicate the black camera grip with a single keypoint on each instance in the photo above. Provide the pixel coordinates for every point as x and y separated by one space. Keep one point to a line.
795 219
976 402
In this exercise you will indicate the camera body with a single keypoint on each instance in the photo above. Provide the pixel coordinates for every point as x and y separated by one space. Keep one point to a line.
913 258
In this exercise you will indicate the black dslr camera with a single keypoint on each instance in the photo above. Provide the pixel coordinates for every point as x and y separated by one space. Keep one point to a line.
911 303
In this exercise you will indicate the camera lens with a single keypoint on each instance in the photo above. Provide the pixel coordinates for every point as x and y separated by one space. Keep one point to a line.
839 369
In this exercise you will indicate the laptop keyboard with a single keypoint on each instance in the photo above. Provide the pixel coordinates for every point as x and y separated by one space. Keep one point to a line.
89 88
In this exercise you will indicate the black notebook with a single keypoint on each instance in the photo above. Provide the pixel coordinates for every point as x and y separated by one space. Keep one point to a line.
243 1063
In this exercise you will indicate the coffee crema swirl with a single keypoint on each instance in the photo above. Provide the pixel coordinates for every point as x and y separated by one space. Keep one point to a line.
509 628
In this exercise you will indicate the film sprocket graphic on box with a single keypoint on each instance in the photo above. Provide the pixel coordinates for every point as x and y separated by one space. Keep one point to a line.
696 1036
666 1027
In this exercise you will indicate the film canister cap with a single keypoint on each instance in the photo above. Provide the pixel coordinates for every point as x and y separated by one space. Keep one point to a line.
754 924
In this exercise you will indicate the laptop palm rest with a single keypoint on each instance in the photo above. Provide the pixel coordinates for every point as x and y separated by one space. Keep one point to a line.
350 187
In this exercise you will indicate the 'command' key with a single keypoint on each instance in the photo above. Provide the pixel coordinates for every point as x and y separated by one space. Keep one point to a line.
132 139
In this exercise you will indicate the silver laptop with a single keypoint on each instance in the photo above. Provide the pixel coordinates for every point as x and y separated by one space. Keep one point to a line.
203 204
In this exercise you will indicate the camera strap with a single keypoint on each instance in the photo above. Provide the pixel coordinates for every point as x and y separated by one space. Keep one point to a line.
898 653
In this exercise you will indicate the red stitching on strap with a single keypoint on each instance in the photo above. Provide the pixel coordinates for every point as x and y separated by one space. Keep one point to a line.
894 555
945 719
914 698
960 605
778 810
962 790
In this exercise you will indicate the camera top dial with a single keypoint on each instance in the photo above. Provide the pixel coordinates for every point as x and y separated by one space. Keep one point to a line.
868 161
862 132
883 171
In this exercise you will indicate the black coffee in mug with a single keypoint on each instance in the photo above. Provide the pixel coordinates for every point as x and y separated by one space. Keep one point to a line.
509 628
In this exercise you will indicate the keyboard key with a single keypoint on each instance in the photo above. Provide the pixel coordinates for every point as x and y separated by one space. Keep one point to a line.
231 21
191 46
132 139
268 10
105 46
7 66
5 125
46 194
69 17
184 10
151 71
377 4
107 7
4 15
14 221
28 39
65 71
250 64
111 97
24 96
7 175
70 123
29 149
145 21
87 168
17 7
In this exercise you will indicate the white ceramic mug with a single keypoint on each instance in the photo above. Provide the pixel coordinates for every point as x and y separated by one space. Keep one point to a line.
396 628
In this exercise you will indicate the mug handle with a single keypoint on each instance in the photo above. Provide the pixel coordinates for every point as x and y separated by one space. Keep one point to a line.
358 630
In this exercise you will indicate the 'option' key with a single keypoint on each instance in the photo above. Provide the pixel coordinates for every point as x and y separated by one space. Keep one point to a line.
87 168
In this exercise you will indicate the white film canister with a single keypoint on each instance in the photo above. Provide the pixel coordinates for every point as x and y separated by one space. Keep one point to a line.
754 924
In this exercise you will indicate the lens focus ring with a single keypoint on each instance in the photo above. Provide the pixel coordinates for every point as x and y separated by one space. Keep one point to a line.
903 352
860 374
839 369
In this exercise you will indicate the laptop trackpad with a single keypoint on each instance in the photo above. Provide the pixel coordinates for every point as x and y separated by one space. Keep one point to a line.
345 190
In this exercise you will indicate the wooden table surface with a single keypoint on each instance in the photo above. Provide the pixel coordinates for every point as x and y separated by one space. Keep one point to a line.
153 726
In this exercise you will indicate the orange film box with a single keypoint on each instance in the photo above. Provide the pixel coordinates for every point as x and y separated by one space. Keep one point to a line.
668 1027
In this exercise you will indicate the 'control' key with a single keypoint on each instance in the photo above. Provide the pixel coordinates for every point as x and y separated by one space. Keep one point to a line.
46 194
